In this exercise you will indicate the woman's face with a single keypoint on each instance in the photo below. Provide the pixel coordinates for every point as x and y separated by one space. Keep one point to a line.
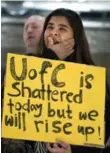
58 29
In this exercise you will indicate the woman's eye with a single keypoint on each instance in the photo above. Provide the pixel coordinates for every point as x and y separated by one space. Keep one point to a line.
49 27
62 29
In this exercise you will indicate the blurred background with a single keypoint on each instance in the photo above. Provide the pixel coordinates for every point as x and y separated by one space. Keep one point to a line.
95 15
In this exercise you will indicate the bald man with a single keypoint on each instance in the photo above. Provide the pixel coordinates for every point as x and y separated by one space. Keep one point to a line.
32 32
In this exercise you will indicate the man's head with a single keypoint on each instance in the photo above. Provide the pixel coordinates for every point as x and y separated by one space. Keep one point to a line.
32 32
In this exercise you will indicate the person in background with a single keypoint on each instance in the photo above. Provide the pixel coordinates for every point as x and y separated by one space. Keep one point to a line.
64 38
31 35
32 32
33 27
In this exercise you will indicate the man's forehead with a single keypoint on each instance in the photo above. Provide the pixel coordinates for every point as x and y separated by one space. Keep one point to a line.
34 20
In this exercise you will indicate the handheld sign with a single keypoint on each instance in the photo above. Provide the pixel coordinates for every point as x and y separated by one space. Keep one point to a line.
47 99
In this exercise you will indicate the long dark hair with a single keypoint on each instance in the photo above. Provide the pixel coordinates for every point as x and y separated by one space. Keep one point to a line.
82 52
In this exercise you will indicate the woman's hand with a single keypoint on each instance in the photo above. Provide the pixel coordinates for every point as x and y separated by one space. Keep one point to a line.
59 147
62 49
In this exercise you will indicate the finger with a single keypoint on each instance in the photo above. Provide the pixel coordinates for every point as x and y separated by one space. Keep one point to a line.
63 144
57 150
49 147
54 150
55 145
72 43
50 41
70 49
69 45
69 41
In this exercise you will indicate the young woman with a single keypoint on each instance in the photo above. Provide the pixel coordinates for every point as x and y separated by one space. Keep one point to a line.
64 38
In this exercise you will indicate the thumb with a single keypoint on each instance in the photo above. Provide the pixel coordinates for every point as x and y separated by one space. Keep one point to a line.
50 41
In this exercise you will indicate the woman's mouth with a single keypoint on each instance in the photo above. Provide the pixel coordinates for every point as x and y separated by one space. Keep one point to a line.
56 42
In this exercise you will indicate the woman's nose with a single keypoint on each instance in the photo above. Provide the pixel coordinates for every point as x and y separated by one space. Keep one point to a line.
54 32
